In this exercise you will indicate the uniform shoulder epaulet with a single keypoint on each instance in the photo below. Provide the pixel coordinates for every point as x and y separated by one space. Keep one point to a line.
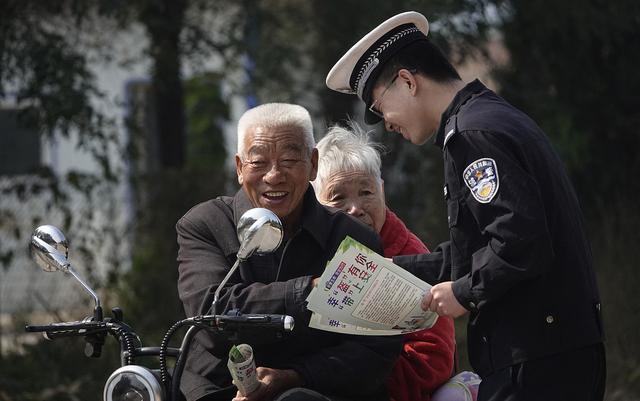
458 122
450 129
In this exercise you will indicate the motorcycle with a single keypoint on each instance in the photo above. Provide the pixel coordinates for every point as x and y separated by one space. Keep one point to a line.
259 231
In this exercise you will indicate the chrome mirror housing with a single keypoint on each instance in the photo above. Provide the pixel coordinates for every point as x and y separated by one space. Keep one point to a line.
259 231
50 248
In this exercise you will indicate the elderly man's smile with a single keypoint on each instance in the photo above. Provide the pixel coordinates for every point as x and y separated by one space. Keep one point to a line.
275 196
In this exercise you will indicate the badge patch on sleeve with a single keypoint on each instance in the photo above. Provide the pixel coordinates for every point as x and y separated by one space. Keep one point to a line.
481 177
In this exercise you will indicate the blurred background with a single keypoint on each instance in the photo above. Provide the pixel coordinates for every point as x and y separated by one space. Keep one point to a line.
117 116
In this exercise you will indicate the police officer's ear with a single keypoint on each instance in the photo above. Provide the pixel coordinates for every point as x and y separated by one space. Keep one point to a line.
409 80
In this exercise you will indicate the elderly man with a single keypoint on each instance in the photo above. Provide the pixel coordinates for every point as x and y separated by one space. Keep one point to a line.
276 160
518 259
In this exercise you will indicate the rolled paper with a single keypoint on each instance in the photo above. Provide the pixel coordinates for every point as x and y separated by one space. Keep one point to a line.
243 368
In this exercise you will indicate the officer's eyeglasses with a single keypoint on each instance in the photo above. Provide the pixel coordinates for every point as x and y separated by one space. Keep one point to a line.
375 104
378 101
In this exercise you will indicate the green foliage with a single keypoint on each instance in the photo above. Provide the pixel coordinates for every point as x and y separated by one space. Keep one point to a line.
615 237
573 67
148 291
45 75
76 378
206 111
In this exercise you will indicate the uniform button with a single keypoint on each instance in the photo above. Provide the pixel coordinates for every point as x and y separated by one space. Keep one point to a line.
598 306
549 319
472 305
484 339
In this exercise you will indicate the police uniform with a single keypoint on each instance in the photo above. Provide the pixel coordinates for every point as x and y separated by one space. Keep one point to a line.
518 254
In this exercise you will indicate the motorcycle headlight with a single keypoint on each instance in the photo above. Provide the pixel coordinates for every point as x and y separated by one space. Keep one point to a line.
133 383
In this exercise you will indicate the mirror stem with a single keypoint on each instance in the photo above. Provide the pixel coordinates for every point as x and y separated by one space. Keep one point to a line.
86 286
216 295
97 314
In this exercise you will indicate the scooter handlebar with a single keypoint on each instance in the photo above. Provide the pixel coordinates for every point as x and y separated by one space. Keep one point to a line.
68 329
241 322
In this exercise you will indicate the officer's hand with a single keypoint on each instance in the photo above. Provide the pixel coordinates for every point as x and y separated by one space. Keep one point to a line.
442 301
272 383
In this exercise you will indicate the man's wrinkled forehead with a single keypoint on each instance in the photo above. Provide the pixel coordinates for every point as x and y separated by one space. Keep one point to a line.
282 147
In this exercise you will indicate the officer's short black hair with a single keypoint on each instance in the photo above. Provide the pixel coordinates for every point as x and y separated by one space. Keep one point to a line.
421 56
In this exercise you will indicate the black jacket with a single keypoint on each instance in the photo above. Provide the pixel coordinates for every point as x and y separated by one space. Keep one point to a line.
518 252
348 366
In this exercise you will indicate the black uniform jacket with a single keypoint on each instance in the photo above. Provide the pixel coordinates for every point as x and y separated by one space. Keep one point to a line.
349 366
518 253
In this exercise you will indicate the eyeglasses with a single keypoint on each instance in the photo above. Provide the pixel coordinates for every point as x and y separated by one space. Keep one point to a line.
372 108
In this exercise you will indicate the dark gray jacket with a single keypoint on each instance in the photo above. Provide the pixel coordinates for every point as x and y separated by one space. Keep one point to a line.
518 251
334 364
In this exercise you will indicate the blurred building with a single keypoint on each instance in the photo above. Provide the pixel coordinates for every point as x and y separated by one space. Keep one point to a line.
101 223
97 221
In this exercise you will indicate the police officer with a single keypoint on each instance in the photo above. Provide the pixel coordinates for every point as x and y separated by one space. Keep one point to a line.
518 259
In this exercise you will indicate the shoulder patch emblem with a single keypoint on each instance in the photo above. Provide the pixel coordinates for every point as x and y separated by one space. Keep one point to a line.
481 177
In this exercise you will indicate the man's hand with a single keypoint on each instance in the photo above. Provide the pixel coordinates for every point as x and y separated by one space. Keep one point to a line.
272 383
442 301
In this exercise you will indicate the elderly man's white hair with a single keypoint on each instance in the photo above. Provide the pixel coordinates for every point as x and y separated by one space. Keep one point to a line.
276 115
346 149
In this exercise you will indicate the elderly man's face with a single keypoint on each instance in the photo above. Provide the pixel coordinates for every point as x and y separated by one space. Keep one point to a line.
276 169
358 194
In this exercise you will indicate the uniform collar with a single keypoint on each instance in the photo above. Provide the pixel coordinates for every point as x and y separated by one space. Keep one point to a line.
314 216
460 98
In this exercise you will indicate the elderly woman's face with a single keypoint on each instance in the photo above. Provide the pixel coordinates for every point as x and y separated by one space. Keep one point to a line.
358 194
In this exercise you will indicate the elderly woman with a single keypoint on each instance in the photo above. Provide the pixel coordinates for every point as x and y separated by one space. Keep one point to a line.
349 179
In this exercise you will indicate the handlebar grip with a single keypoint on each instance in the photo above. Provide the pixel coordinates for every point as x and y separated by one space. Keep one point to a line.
52 335
67 329
254 321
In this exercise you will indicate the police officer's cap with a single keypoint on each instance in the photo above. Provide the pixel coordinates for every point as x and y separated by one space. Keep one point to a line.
359 68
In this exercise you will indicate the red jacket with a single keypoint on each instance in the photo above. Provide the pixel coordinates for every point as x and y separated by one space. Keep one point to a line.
426 360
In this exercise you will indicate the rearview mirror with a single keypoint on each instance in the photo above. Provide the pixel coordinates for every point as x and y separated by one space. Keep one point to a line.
50 249
259 231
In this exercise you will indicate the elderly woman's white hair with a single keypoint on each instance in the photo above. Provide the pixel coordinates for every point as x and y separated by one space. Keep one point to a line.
276 115
346 149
